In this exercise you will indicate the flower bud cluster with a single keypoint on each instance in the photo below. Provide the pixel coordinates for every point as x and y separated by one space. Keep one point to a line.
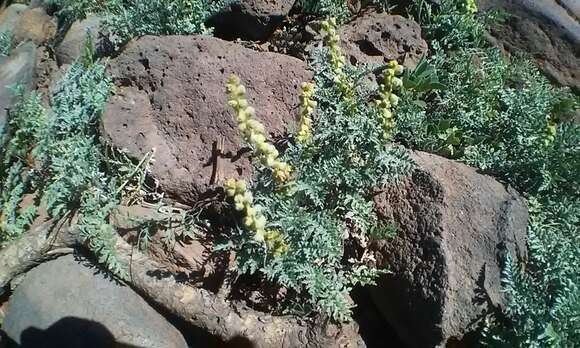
254 220
551 130
275 242
470 6
254 132
387 98
307 108
337 60
244 201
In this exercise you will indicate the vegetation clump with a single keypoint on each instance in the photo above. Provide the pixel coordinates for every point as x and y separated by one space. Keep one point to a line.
307 105
57 159
324 216
503 117
254 132
387 98
126 19
5 43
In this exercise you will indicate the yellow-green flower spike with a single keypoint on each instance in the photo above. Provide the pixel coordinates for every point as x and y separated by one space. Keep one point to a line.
244 201
337 60
254 132
551 131
254 220
275 242
470 6
387 98
307 105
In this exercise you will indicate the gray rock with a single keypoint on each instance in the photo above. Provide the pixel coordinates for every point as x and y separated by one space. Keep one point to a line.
548 30
250 19
18 69
377 38
35 25
70 48
455 226
170 96
64 301
10 17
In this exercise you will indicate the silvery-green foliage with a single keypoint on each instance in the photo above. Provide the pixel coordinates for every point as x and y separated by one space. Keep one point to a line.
68 148
5 43
496 115
329 203
71 158
13 219
447 24
329 8
134 18
126 19
544 299
26 119
499 113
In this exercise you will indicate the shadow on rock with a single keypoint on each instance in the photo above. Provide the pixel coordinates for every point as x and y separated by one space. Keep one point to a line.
69 332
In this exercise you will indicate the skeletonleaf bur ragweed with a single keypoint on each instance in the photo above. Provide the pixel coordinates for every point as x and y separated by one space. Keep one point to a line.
337 59
387 98
307 105
254 220
470 6
254 132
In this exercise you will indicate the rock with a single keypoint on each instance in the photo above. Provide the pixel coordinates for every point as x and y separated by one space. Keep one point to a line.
10 17
18 69
70 48
35 25
548 30
455 226
250 19
67 301
376 38
48 74
171 96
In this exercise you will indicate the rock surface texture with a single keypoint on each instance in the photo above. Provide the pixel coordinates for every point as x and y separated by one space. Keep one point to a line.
10 17
455 226
17 69
35 25
548 30
171 96
250 19
70 47
376 38
64 301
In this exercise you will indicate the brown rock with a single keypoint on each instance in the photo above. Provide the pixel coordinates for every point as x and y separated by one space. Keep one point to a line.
455 226
171 96
548 30
376 38
35 25
47 74
250 19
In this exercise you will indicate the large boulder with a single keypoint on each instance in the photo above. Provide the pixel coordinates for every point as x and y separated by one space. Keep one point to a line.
35 25
171 97
15 70
250 19
548 30
10 17
455 227
71 46
67 303
376 38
